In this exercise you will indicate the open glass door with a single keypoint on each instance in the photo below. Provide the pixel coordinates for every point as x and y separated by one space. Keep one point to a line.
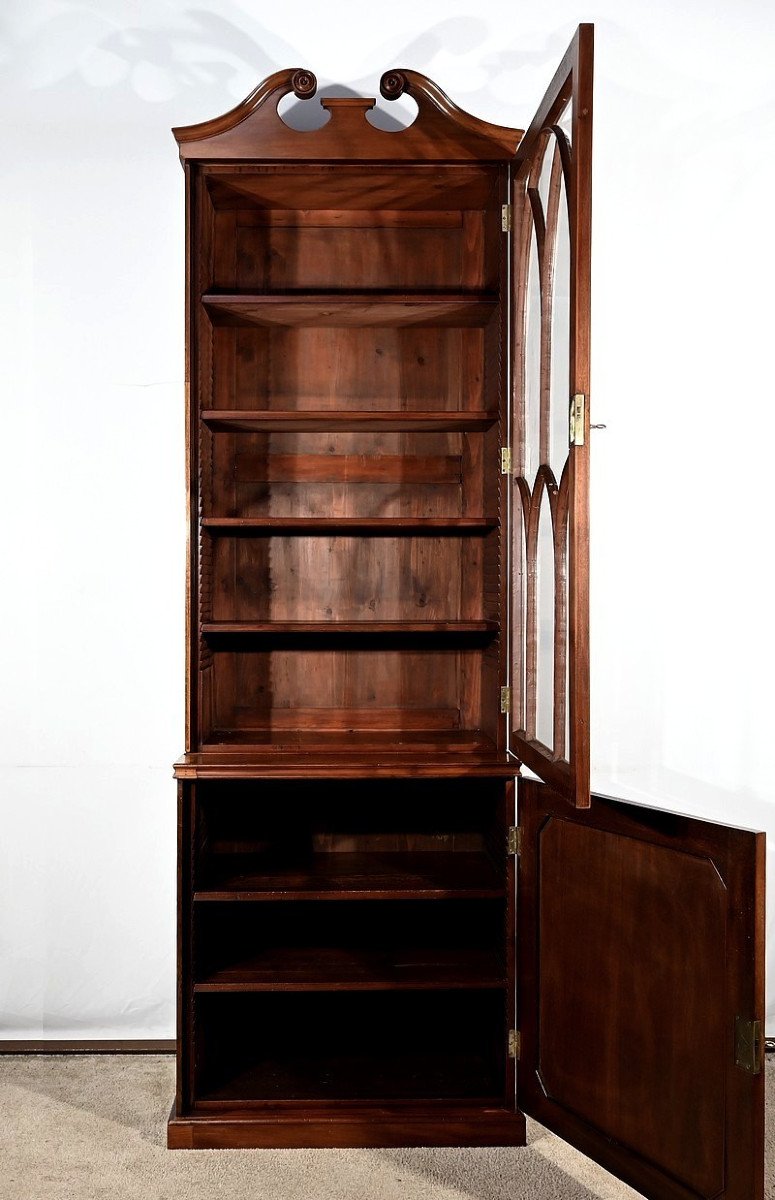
640 934
550 431
641 993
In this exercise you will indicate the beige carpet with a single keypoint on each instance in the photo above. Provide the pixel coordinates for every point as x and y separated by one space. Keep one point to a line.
77 1128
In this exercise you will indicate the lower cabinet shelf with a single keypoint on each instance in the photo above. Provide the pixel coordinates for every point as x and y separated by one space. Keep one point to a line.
332 968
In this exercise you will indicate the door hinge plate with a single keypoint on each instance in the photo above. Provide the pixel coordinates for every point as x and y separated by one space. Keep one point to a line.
505 460
749 1045
577 412
506 218
514 840
515 1043
505 699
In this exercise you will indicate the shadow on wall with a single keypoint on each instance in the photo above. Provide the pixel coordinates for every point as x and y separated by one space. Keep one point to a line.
86 48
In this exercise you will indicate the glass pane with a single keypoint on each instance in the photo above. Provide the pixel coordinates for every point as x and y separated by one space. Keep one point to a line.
560 347
545 626
565 120
532 363
546 170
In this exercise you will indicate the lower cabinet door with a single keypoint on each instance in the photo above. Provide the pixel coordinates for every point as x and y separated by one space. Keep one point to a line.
641 993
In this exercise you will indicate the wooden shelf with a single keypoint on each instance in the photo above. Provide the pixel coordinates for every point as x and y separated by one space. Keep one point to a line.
335 628
238 760
341 754
328 420
319 968
405 875
331 527
304 739
362 308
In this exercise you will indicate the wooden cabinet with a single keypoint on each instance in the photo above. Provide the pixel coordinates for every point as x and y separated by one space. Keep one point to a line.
384 939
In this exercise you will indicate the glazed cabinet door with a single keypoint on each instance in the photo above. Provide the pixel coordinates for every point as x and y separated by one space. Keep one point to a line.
551 207
641 993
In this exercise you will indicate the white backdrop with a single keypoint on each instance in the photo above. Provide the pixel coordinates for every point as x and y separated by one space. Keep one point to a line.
92 467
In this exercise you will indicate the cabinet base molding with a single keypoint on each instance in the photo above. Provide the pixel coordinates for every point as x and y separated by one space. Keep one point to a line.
344 1126
98 1046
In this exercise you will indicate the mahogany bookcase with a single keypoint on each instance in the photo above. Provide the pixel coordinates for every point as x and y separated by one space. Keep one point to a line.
384 937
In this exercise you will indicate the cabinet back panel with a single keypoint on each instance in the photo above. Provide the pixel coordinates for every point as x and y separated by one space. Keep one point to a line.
351 474
359 190
346 367
305 687
227 936
292 816
366 1045
299 578
255 251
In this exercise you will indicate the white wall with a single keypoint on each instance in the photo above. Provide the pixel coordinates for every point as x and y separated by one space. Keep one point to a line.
92 469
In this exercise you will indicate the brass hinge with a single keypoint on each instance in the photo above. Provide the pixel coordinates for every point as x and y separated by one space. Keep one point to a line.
505 460
505 699
749 1045
506 218
514 840
577 406
515 1043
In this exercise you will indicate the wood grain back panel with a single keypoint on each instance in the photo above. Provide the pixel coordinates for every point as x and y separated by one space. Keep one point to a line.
338 248
278 188
302 684
337 578
369 368
339 475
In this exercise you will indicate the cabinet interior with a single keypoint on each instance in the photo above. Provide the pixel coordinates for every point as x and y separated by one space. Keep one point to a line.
351 383
370 912
376 1046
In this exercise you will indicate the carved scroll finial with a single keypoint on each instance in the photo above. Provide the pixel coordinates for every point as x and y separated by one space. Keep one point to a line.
304 84
256 128
392 85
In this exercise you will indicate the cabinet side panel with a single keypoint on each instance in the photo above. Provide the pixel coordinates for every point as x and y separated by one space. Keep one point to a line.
184 1039
191 443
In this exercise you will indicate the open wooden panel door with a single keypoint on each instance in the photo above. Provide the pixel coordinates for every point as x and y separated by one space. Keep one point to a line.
641 993
551 211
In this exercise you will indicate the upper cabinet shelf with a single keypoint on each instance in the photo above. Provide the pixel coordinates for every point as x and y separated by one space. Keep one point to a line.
460 309
328 526
324 420
364 628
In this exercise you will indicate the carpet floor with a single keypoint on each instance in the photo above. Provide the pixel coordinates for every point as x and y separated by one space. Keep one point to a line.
93 1126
